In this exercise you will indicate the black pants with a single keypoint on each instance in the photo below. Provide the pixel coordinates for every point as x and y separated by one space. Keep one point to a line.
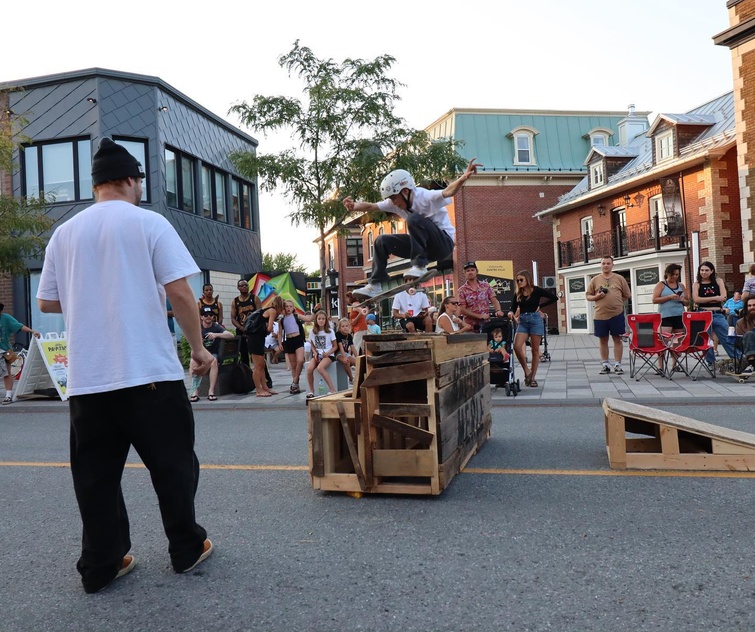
425 242
157 420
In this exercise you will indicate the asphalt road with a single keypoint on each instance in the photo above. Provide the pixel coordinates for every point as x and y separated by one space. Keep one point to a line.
548 538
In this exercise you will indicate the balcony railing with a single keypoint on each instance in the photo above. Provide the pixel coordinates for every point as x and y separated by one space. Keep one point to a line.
620 242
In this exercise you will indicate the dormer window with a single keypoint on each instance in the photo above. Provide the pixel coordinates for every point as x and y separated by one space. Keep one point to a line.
598 140
597 174
524 145
664 146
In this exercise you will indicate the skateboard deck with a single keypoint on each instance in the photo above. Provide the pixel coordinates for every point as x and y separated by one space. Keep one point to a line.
741 377
399 288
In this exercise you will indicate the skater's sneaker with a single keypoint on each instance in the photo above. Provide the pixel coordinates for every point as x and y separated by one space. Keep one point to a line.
416 272
369 290
606 369
749 370
617 369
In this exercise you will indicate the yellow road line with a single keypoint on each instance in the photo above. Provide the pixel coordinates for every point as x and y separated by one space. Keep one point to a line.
469 470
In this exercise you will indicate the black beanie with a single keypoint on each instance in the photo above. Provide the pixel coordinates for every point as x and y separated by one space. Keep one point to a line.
113 162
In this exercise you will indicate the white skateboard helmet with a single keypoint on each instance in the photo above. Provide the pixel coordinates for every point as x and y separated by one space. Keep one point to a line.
395 181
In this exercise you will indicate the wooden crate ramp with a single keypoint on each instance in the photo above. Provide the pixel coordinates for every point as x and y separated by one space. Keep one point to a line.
672 442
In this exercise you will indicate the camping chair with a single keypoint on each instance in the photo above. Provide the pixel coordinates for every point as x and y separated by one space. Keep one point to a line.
695 344
645 345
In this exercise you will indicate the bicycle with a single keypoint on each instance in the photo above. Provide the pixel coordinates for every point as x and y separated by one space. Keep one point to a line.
18 364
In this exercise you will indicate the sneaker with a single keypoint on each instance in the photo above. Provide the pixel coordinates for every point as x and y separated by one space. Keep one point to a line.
606 370
416 272
206 552
368 291
7 400
749 370
617 369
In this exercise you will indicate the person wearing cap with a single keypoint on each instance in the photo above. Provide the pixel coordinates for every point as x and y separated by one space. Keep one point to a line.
130 391
430 231
372 326
410 308
475 298
212 334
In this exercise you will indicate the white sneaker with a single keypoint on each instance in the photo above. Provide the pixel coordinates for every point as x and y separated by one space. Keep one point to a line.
369 290
617 369
749 370
416 272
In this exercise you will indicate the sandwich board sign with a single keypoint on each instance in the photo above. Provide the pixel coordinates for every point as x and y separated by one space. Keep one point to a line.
45 370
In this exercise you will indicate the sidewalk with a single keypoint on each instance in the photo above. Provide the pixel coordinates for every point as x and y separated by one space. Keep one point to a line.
571 375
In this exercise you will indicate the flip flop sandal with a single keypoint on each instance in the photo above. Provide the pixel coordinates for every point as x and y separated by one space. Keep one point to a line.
212 398
527 380
533 383
194 398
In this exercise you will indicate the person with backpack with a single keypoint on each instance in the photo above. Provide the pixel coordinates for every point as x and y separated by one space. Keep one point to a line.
258 324
291 337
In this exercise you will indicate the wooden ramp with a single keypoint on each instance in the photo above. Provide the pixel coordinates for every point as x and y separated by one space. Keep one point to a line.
672 442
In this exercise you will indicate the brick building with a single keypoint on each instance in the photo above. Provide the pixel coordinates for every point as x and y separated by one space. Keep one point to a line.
668 194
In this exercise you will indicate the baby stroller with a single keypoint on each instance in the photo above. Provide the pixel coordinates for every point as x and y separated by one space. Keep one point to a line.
545 356
502 371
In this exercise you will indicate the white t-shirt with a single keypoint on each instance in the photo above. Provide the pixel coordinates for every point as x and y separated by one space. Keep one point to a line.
428 203
107 266
322 342
440 330
403 302
271 340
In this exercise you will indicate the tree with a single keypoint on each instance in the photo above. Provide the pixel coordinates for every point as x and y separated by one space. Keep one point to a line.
347 138
23 222
281 261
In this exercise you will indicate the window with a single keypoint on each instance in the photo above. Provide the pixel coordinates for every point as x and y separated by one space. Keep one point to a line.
61 170
331 258
523 149
187 184
138 149
220 196
354 257
370 246
214 194
598 140
664 146
657 208
597 174
586 230
246 207
171 178
394 227
381 230
206 192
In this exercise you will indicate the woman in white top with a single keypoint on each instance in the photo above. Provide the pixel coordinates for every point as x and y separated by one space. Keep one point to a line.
449 321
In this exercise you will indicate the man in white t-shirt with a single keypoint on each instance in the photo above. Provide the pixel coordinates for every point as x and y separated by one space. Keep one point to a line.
430 231
410 307
126 389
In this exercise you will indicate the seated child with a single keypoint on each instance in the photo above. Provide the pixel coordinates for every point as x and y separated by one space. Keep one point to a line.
497 347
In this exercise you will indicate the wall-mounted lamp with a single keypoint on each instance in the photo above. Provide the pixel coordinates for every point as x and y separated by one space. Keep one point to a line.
601 210
636 201
92 100
10 112
162 108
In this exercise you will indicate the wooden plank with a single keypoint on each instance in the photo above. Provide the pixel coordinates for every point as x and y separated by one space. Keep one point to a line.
454 395
369 433
424 437
316 465
616 440
399 345
338 483
405 410
459 366
361 370
643 445
464 424
328 407
404 488
713 462
653 415
669 440
460 345
399 374
350 445
401 357
457 461
403 463
724 447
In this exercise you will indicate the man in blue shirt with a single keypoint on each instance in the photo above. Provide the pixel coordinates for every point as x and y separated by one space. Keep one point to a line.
8 326
731 307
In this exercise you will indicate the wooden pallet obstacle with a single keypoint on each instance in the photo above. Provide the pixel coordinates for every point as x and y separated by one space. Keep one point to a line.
419 410
672 442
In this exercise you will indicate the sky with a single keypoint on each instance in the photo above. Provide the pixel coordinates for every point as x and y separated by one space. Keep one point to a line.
546 54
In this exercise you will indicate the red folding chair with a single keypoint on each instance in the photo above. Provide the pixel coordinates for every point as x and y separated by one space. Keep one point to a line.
646 346
695 344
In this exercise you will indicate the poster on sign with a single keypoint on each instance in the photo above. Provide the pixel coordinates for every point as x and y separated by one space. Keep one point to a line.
500 276
45 371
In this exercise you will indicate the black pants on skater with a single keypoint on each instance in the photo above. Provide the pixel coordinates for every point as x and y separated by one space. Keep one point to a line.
157 420
424 242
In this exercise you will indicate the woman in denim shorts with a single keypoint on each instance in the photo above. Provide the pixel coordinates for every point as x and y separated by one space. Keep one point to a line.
525 309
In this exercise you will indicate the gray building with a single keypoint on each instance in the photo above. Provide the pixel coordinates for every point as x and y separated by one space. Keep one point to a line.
185 151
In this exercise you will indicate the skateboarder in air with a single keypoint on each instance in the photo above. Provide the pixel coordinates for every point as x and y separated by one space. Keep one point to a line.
430 231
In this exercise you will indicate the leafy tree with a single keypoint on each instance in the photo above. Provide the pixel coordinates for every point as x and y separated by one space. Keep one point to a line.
282 261
346 139
23 222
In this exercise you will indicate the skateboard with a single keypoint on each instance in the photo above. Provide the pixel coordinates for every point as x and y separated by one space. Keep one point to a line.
741 377
399 288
